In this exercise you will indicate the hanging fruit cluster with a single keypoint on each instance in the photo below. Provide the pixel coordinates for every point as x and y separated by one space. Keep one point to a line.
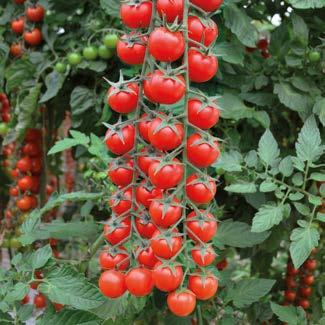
299 282
4 113
27 28
162 210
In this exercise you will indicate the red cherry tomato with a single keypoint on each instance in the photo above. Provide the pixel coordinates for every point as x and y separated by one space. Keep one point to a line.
263 44
204 287
25 300
114 259
305 292
144 226
208 5
121 172
201 226
167 278
310 265
200 32
25 203
124 101
25 183
121 140
164 89
136 15
167 245
291 270
308 279
148 156
34 37
117 231
39 301
35 14
144 124
165 45
182 303
199 192
139 282
145 194
202 68
147 258
24 164
165 214
31 149
168 176
290 295
112 284
201 153
33 135
18 25
201 115
131 50
203 256
121 202
222 264
171 9
290 282
14 191
304 303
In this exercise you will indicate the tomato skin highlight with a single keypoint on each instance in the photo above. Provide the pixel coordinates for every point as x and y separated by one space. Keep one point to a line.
163 89
204 228
166 138
199 193
168 176
131 53
200 32
18 25
208 5
123 102
181 304
137 15
171 9
112 284
201 155
204 118
202 68
308 280
165 278
166 46
121 146
139 282
204 287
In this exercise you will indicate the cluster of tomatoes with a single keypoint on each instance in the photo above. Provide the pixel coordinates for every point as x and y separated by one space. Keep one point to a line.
4 113
262 45
160 210
27 27
299 283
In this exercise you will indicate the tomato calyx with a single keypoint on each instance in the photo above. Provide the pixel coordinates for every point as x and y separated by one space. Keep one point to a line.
134 2
195 179
134 38
206 138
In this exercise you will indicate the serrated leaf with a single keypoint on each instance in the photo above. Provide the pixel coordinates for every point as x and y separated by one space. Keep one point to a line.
18 292
80 137
268 149
251 158
266 217
25 312
248 291
303 241
300 28
297 179
230 161
319 109
230 52
302 209
296 196
314 200
238 234
319 177
267 186
98 149
54 82
233 107
111 7
289 314
241 188
68 287
62 145
308 146
240 24
286 166
41 256
307 4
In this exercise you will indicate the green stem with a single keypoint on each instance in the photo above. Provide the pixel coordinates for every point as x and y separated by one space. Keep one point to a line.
95 246
199 315
305 177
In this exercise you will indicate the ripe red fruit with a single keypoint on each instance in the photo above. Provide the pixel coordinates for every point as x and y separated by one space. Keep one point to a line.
121 140
136 15
14 191
147 258
114 259
16 50
304 303
40 301
145 194
310 265
290 295
121 172
57 306
166 245
139 282
117 231
290 282
263 44
202 115
123 100
167 278
208 5
25 300
305 292
203 256
266 54
18 25
198 31
200 191
308 280
291 270
24 164
112 284
204 287
165 45
202 67
148 156
31 149
26 203
171 9
222 264
33 37
121 202
33 135
144 226
131 50
25 183
35 13
182 303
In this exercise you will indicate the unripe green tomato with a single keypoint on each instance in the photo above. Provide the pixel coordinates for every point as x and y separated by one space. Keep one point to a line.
90 53
314 56
95 24
104 52
110 41
74 58
60 67
14 242
3 129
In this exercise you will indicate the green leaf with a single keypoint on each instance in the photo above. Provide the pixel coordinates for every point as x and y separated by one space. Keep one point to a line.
68 287
41 256
111 7
315 200
98 149
259 98
71 317
80 137
230 161
268 186
319 109
307 4
296 196
240 24
251 158
238 234
302 209
241 188
266 217
289 314
17 293
268 149
300 28
54 82
233 107
303 241
292 98
297 179
320 177
62 145
25 312
321 217
308 146
248 291
230 52
286 166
